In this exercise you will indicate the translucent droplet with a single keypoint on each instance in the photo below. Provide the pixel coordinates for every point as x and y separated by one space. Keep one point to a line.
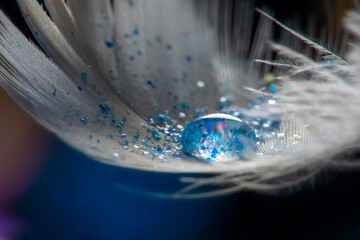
219 137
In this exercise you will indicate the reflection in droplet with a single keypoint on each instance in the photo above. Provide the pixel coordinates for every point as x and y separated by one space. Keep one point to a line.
219 137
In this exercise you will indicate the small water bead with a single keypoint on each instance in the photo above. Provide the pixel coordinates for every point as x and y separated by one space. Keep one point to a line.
219 137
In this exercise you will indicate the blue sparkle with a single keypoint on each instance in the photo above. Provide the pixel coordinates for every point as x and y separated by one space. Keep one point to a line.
155 134
109 44
54 92
104 108
158 148
272 88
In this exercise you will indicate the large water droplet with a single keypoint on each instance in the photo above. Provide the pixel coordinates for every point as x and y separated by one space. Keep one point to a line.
219 137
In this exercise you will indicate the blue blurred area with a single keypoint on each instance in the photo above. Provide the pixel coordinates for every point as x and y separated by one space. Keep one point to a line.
78 198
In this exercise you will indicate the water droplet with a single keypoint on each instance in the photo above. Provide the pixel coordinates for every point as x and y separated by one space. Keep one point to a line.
219 137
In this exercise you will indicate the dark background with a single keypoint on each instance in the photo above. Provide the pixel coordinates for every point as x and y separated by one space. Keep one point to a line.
77 198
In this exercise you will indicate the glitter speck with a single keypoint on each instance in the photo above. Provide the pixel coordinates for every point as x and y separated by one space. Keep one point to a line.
181 115
188 58
219 137
272 88
200 84
271 102
109 44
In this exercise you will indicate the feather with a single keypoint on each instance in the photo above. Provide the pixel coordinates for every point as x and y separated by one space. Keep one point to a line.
91 114
113 66
319 48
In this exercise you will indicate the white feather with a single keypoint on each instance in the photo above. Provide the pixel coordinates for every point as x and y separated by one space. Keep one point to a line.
124 46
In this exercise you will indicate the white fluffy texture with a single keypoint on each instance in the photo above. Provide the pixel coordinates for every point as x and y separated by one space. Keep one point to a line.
152 40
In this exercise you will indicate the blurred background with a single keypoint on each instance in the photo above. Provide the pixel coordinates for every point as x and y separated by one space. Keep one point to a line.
50 191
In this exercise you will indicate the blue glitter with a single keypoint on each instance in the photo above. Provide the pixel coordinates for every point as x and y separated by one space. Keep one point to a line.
83 75
158 148
109 44
158 39
161 117
54 92
155 134
219 137
105 108
272 88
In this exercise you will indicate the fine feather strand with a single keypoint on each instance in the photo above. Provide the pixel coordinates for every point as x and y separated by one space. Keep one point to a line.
313 110
56 102
319 48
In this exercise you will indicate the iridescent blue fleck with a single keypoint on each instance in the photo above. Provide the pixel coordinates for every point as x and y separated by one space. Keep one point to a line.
219 137
155 134
109 44
272 88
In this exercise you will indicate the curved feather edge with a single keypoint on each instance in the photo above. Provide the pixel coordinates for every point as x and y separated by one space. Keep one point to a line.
72 112
328 100
328 109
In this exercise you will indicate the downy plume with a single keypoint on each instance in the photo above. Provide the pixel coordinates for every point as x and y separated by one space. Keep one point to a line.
121 79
